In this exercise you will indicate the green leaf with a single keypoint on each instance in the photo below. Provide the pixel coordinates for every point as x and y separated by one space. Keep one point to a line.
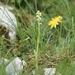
18 1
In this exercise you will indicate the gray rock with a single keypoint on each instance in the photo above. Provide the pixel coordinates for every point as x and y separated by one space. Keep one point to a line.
8 20
4 61
15 67
50 71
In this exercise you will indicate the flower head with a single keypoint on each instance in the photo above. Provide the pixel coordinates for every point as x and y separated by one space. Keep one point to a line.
54 22
38 15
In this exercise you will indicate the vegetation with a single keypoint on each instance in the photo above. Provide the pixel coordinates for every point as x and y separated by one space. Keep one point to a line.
45 42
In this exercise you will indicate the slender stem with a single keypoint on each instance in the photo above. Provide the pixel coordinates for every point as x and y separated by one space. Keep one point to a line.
38 38
38 42
38 16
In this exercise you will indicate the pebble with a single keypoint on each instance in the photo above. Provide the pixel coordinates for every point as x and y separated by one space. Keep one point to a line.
15 67
49 71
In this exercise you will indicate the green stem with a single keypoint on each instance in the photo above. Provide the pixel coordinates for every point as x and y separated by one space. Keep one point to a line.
38 38
38 42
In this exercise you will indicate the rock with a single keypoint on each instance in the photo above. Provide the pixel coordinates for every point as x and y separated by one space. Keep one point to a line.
8 20
50 71
15 67
4 61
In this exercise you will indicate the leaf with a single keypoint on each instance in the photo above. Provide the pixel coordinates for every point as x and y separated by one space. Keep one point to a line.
18 1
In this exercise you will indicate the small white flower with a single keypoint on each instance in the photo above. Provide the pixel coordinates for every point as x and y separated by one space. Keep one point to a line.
38 15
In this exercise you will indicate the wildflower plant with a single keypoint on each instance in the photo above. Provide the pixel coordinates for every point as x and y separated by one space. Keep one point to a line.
55 21
38 16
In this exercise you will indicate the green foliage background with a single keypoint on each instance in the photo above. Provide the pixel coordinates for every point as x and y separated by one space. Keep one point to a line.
57 46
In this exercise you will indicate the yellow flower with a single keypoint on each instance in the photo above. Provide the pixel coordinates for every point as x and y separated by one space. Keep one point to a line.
54 22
